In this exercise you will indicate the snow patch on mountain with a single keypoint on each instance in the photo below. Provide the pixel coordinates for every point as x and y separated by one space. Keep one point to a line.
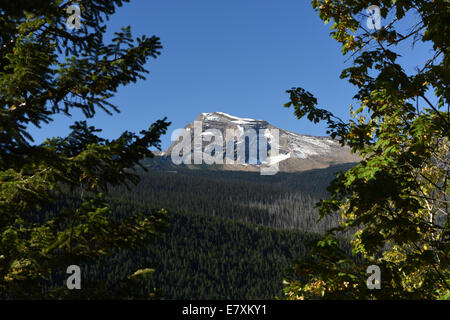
276 159
215 116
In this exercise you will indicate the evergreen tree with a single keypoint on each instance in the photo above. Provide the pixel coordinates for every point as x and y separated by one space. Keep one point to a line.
51 63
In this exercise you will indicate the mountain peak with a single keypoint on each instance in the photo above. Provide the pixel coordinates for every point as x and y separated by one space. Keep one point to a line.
295 152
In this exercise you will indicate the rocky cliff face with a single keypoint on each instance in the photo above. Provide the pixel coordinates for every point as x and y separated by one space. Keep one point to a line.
291 151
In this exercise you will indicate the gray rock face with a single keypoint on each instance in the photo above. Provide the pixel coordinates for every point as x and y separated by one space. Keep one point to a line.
296 152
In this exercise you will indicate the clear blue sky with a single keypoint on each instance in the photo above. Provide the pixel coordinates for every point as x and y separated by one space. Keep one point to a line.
235 56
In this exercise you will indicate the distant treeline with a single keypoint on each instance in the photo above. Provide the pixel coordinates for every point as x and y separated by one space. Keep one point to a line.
285 200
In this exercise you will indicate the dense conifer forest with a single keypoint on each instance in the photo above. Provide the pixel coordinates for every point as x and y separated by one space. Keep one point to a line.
231 235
